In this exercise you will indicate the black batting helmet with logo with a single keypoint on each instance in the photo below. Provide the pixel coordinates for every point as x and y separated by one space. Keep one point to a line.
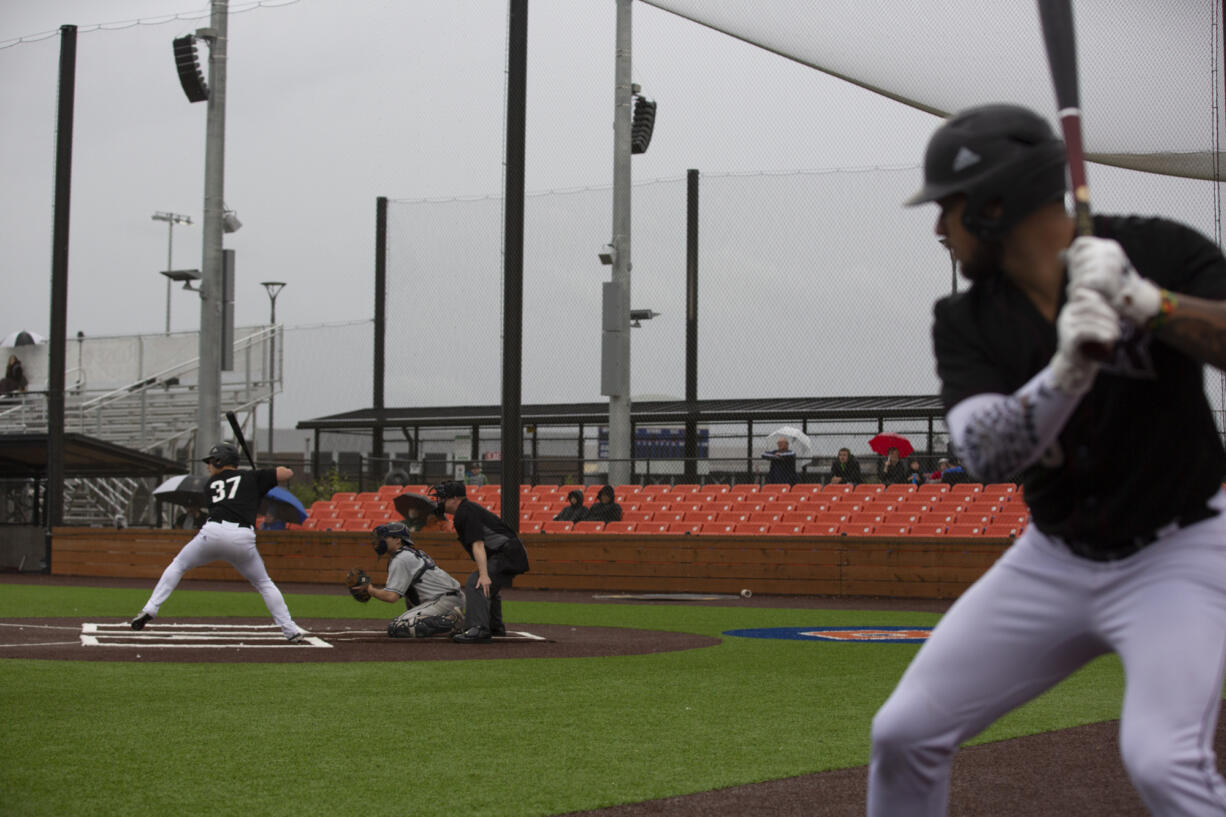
1005 159
221 455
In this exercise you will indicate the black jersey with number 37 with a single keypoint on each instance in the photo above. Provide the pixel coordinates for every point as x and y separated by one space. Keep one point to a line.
234 495
1141 449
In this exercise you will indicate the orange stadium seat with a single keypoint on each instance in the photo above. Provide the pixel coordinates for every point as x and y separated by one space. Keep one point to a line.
732 516
797 517
966 488
588 527
963 529
939 516
718 528
928 529
788 528
830 518
687 527
865 518
669 516
684 488
390 491
744 488
1003 529
805 488
895 529
631 489
1019 518
868 488
775 489
620 527
899 488
344 496
858 529
751 528
900 518
818 528
975 516
765 516
651 527
556 527
930 488
636 516
530 527
700 516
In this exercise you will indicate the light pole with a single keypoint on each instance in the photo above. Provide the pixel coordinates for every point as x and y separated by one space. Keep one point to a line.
274 289
171 220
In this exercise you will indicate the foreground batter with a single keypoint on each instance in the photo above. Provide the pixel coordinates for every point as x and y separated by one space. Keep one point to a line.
1115 559
229 535
498 553
434 602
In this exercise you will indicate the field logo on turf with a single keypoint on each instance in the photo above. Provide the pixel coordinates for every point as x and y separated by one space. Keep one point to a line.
862 635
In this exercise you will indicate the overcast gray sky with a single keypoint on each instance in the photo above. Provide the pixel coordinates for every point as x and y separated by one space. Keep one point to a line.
332 103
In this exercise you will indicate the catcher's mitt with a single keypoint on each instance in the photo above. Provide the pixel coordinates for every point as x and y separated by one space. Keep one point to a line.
358 583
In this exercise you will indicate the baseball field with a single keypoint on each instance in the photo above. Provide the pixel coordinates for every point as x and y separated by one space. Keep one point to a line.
509 732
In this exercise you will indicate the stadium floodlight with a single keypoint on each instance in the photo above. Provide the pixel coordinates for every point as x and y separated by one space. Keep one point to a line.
188 66
608 254
642 124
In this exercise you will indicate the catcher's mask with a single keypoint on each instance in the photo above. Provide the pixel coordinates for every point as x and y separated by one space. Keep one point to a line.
445 491
397 530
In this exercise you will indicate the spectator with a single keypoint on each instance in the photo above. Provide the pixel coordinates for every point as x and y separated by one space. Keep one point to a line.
955 473
14 377
192 518
845 470
476 476
892 469
917 476
783 463
942 464
575 510
604 509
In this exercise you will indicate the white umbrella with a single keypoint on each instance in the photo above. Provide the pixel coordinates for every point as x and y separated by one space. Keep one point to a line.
798 441
22 337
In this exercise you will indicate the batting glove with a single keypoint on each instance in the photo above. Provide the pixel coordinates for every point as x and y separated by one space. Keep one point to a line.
1086 320
1101 265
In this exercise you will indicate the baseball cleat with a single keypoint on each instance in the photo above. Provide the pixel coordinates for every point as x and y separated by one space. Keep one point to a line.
473 635
140 621
298 637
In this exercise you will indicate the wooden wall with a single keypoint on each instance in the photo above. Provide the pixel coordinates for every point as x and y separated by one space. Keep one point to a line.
910 567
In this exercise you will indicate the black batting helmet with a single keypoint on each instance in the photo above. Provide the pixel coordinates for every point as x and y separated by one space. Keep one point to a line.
392 530
1005 159
221 455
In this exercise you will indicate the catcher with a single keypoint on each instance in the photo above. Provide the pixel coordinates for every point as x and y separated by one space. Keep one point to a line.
434 600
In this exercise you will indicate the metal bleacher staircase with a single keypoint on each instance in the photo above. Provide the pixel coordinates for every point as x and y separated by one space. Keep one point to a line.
155 415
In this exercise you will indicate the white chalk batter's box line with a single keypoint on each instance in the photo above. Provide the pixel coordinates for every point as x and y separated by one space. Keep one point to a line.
170 636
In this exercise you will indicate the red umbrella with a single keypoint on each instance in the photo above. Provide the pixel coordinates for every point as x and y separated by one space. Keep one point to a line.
882 443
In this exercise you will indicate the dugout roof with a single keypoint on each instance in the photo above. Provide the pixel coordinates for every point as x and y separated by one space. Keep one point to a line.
25 455
642 412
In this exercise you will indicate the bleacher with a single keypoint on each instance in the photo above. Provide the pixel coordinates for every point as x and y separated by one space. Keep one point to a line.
933 509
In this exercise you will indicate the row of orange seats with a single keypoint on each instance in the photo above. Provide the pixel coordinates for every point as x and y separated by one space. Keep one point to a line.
388 492
1002 529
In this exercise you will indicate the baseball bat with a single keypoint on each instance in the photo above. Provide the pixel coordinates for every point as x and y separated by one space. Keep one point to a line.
238 435
1059 38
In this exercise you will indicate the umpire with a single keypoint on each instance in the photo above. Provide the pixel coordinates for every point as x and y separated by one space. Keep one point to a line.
499 555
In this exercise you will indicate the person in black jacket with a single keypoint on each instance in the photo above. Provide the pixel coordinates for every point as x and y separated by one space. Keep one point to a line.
892 469
575 510
845 470
496 549
604 509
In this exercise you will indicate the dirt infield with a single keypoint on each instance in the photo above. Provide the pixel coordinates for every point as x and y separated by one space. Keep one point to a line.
240 640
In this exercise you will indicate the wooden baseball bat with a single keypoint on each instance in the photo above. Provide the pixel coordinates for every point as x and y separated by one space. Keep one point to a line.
1059 37
238 435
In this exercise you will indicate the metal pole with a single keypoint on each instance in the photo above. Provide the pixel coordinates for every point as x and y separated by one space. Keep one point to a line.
170 244
380 351
617 347
513 264
208 412
54 496
691 326
272 365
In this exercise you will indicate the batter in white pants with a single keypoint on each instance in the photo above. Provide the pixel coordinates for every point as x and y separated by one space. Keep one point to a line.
234 544
1034 618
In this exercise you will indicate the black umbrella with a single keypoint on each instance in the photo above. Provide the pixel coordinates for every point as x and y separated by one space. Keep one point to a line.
414 506
185 489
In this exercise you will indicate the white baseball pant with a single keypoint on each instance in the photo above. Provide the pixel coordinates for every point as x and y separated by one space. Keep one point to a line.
1035 617
231 543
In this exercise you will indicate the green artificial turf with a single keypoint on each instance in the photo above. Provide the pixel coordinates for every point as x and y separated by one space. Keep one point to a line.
513 737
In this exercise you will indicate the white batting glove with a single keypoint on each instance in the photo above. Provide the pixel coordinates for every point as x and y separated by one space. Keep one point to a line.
1101 265
1086 320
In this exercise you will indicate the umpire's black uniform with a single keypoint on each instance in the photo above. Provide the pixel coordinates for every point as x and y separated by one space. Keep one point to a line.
505 558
